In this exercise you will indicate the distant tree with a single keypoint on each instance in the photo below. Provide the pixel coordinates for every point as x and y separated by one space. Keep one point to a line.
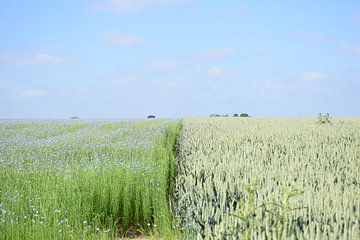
225 115
235 115
323 118
244 115
150 116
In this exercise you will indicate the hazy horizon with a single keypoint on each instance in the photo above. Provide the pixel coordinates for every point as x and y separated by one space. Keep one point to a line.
111 59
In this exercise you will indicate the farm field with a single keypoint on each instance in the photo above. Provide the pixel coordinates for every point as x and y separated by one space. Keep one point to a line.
85 179
253 178
182 120
233 178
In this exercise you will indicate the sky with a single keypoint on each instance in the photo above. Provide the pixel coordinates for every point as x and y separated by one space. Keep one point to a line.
177 58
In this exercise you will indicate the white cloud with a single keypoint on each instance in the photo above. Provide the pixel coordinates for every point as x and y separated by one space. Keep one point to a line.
2 88
217 53
41 58
311 36
124 40
351 49
313 77
34 93
216 72
162 65
130 6
44 58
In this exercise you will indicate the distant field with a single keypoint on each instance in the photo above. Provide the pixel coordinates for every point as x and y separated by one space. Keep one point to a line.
85 179
249 178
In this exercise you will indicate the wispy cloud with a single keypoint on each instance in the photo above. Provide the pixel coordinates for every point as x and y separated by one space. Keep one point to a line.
301 82
45 58
125 79
162 65
78 91
41 58
351 49
130 6
33 93
216 53
9 58
313 77
311 36
123 39
217 72
2 88
210 72
278 87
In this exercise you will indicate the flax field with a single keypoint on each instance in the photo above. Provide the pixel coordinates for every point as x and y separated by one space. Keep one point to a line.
78 179
253 178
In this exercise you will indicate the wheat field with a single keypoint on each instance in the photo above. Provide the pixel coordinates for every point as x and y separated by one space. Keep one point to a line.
253 178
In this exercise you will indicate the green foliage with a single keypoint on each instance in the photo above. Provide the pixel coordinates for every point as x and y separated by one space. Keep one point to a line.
244 115
324 118
246 212
280 209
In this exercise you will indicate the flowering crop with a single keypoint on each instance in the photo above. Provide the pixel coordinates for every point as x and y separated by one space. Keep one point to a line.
84 179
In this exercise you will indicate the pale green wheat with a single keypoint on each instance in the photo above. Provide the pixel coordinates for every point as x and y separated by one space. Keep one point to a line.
307 179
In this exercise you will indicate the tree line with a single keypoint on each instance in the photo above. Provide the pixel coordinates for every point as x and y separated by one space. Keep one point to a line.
227 115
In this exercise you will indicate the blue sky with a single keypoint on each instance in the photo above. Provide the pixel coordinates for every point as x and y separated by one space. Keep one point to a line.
174 58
